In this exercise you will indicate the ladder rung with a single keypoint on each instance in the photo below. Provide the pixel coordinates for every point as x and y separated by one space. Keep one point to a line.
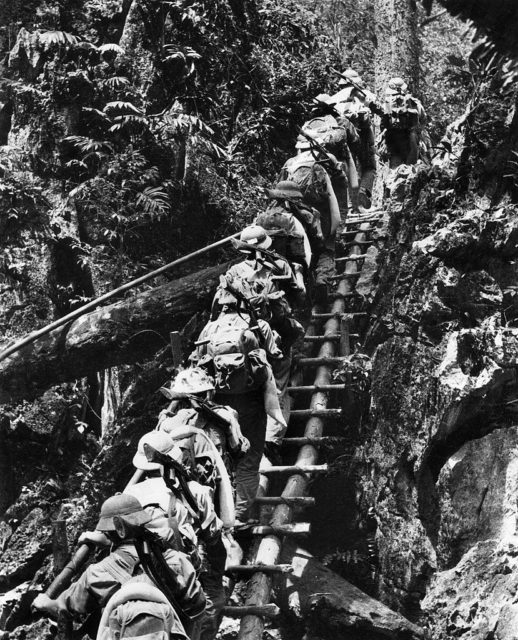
343 276
323 338
294 501
338 314
291 529
314 441
316 413
354 232
350 221
361 256
263 568
294 468
328 360
352 243
265 611
317 387
337 295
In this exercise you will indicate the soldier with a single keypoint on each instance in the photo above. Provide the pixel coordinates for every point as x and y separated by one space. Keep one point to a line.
194 390
339 137
236 349
352 103
191 516
102 579
273 275
307 170
402 124
289 197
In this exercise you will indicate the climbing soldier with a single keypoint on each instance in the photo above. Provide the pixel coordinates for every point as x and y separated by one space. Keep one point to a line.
402 125
273 275
102 579
253 241
215 434
288 197
235 349
307 170
191 517
352 103
339 138
290 241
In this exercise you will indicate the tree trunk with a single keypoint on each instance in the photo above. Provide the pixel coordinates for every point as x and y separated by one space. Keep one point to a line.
121 333
397 51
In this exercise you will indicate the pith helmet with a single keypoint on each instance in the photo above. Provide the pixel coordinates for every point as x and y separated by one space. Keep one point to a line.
256 236
159 441
285 190
193 380
323 97
397 85
351 76
121 505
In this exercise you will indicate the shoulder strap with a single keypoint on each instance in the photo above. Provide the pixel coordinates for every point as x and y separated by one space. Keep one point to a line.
173 523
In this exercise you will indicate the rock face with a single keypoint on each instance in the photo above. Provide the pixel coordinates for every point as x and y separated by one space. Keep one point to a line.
439 460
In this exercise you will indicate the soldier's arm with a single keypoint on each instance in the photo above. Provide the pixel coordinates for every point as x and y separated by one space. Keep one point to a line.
199 352
187 590
334 209
100 581
270 345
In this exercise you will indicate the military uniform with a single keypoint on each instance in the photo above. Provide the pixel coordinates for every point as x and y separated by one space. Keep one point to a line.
206 526
318 195
102 579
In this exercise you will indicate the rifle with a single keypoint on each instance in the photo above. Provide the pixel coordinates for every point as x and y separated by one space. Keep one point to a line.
206 408
150 548
351 82
373 106
249 309
329 158
270 257
181 473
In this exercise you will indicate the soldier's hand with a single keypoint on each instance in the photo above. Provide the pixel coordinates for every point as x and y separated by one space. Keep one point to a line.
44 604
97 538
244 444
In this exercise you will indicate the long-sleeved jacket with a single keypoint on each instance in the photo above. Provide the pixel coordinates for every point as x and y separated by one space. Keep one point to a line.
102 579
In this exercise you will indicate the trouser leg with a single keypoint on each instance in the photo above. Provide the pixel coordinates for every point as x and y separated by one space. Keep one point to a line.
325 266
252 419
413 151
212 584
339 183
366 186
247 478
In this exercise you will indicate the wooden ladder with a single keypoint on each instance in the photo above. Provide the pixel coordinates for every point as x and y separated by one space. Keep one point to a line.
334 344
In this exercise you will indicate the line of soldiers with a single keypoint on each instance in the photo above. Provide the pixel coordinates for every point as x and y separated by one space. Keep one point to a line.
169 535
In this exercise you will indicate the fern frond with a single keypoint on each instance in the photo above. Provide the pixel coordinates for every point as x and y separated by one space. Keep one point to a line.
111 47
51 38
121 105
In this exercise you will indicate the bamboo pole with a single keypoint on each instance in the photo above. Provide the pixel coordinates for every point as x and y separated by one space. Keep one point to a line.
108 296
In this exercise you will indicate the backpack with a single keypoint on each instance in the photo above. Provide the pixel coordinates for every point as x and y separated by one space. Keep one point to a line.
403 112
140 611
279 223
308 175
229 349
330 134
